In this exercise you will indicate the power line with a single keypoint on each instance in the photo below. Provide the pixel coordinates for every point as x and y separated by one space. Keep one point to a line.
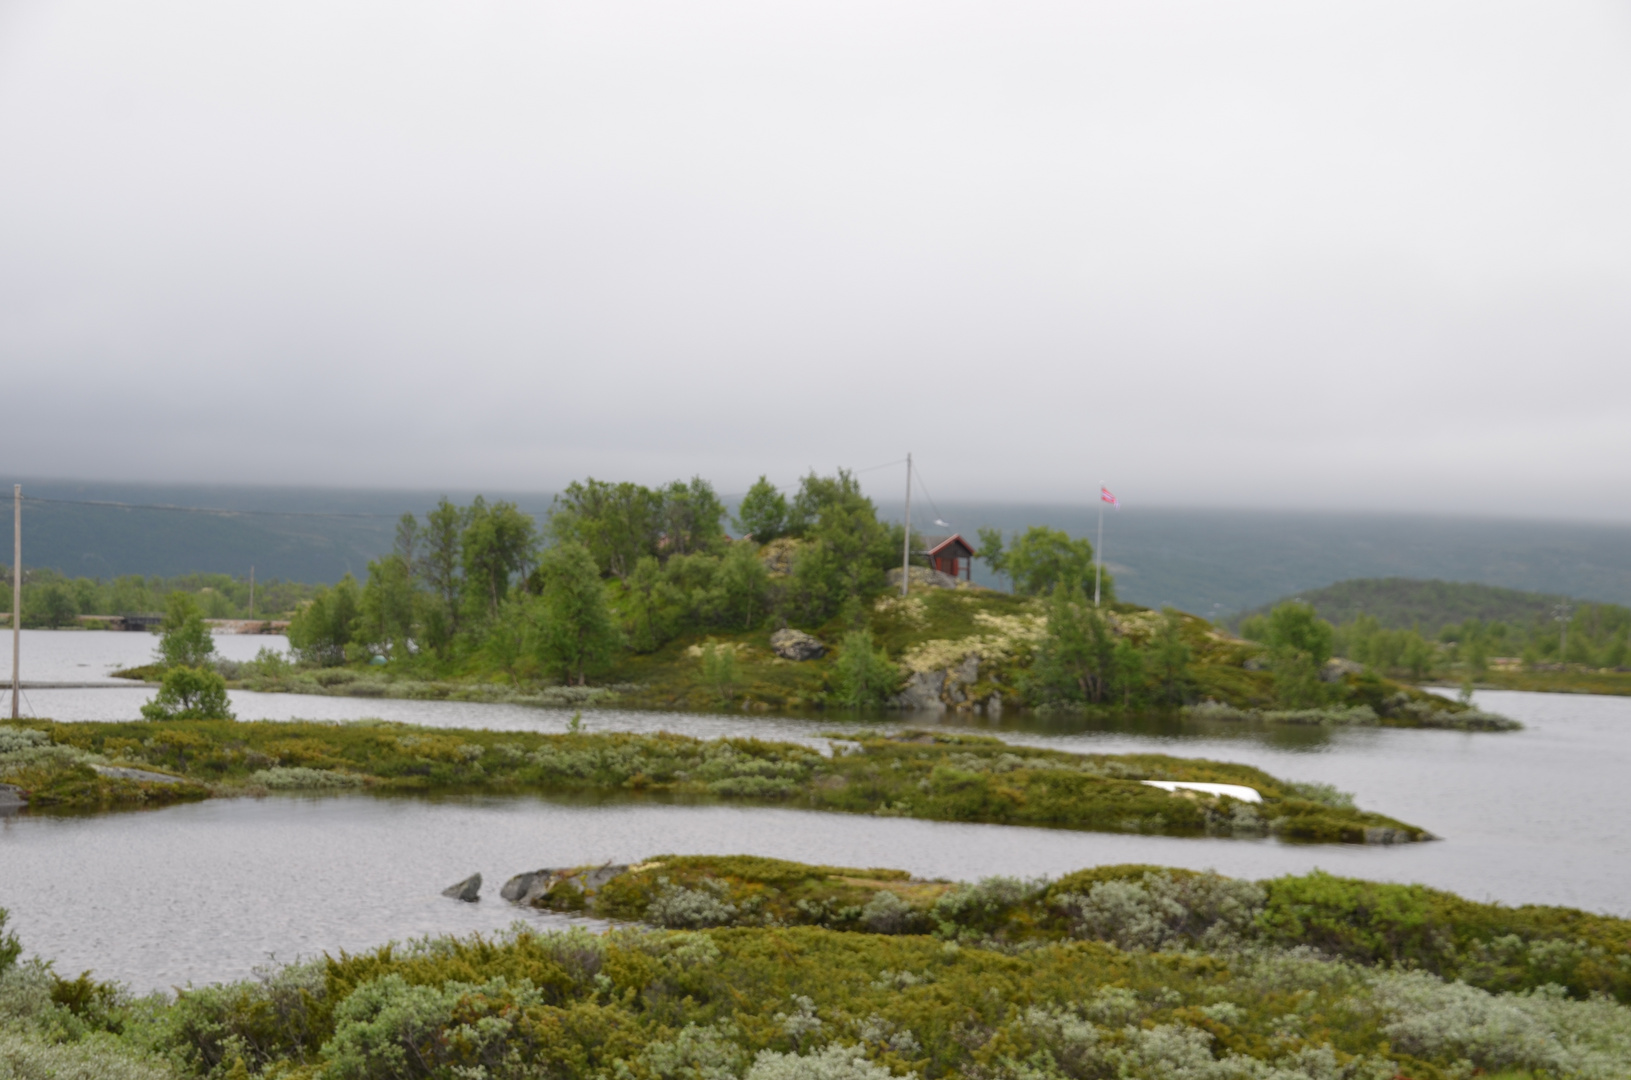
921 486
885 465
210 509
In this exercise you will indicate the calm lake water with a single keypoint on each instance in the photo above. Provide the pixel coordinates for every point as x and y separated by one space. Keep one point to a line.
204 892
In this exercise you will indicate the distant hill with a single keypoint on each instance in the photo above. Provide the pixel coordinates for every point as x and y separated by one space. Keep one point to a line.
1404 603
307 534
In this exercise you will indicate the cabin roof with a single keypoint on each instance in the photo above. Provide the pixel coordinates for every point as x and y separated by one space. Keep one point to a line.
934 545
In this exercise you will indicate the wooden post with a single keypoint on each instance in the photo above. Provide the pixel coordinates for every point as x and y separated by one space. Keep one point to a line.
251 591
16 596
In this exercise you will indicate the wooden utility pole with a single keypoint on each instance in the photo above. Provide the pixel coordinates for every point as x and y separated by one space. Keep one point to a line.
16 596
906 546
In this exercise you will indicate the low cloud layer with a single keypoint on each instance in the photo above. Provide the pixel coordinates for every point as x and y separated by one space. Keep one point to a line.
1257 254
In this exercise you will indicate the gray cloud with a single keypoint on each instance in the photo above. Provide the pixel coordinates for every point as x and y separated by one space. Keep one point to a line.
1259 253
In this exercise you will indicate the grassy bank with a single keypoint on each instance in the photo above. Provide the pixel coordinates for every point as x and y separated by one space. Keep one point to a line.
930 776
1118 973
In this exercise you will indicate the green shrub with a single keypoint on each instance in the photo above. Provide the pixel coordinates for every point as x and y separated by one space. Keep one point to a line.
863 675
190 694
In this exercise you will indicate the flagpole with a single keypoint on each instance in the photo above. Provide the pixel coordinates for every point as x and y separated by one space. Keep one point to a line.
906 546
1098 570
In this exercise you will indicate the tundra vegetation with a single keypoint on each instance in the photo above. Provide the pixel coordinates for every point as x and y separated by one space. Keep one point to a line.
639 596
753 969
932 776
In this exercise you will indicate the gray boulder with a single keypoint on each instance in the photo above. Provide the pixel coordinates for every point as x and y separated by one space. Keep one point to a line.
468 890
796 645
121 772
11 799
529 888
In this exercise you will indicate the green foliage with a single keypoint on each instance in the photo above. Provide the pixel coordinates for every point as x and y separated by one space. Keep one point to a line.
390 607
1299 642
992 550
1041 558
1169 659
848 550
496 546
1297 627
863 674
719 670
190 694
692 519
619 524
184 640
1076 661
321 630
10 947
763 513
744 584
578 634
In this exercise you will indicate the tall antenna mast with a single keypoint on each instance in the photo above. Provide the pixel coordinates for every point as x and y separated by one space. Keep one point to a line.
906 545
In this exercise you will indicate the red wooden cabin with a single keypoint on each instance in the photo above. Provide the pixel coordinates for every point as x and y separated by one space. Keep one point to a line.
950 555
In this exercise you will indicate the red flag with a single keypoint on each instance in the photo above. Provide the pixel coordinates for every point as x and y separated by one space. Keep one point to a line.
1105 496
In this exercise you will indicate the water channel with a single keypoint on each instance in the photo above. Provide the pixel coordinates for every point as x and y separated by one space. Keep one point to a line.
205 891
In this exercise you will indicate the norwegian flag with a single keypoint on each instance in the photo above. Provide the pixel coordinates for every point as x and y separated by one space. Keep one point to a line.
1105 496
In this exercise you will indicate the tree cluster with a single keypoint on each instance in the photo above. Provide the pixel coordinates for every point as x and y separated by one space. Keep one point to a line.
1041 559
616 566
1084 659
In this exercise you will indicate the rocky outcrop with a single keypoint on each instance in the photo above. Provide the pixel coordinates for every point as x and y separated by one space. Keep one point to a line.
796 645
925 578
777 556
11 799
951 688
922 692
529 888
468 890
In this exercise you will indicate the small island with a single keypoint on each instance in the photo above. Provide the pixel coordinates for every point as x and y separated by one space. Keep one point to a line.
639 597
928 775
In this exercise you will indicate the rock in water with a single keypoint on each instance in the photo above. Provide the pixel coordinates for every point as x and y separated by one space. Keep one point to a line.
796 645
468 890
521 884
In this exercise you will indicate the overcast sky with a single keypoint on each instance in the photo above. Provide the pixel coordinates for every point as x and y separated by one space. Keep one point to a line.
1373 254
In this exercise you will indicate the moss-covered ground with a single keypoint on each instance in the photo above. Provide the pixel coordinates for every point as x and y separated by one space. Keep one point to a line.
1115 973
922 775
